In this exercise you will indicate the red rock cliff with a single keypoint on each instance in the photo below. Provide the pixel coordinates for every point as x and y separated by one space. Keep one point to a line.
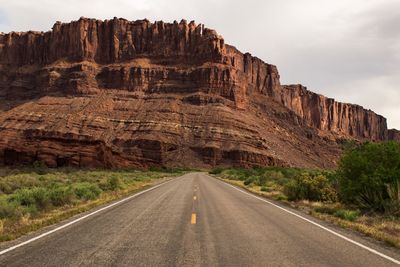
394 134
121 93
219 67
111 41
326 114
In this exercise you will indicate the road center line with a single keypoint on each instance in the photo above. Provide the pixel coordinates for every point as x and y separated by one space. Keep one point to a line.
82 218
193 220
319 225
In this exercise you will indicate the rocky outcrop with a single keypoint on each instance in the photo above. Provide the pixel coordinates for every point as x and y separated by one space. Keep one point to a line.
394 135
112 41
328 115
134 93
156 51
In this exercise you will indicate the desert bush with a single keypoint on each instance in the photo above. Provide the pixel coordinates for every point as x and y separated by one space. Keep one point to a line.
8 210
5 187
264 189
14 182
241 173
157 169
33 192
369 176
279 177
392 205
37 196
262 180
40 167
61 195
249 180
111 184
290 172
281 197
87 191
217 170
311 187
349 215
114 183
276 175
265 175
326 210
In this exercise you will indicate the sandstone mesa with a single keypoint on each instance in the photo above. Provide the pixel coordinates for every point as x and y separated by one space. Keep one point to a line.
119 93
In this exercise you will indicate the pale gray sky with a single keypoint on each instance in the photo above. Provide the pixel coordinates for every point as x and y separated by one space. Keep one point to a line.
345 49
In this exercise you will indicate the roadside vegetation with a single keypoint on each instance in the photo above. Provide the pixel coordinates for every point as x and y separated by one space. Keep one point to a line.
363 193
33 197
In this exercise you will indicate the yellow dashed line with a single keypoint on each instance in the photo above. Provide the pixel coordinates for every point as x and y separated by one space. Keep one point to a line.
193 221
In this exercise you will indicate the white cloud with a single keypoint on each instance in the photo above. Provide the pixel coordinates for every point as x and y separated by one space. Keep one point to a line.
347 49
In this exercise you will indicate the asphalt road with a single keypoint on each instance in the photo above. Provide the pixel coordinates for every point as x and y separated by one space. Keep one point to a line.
196 220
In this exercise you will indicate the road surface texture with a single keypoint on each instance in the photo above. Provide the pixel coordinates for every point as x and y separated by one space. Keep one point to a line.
196 220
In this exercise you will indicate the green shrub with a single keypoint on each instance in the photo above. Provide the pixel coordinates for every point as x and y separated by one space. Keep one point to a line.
271 174
264 189
369 176
327 210
392 205
87 191
262 180
111 184
290 172
281 197
157 169
14 182
240 174
23 197
5 187
310 187
8 210
40 167
349 215
61 195
42 198
37 196
217 170
249 180
32 210
276 175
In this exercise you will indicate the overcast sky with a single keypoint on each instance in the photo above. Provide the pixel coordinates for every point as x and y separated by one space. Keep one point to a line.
345 49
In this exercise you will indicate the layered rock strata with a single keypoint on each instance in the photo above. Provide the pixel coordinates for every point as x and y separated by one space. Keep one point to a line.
134 93
394 134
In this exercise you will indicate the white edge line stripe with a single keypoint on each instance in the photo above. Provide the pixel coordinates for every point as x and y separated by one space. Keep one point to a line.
319 225
80 219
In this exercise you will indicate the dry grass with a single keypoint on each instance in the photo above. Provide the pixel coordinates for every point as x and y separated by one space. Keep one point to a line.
379 227
16 227
26 219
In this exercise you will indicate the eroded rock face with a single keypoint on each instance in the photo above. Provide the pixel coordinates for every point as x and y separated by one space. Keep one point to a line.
112 41
394 135
326 114
133 93
132 55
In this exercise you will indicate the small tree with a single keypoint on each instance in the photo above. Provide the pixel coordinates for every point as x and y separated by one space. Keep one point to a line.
369 176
